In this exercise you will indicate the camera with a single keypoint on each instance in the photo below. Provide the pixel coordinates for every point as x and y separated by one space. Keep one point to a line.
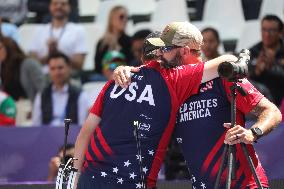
232 71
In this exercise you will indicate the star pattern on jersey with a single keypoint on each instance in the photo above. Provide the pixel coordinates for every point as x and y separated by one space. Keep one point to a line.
103 174
193 179
132 175
119 180
115 170
145 169
203 185
138 185
127 163
151 152
196 184
179 140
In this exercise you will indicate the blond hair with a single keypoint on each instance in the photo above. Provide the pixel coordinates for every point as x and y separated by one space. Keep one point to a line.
109 38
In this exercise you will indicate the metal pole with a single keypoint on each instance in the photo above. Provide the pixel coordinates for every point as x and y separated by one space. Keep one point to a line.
66 124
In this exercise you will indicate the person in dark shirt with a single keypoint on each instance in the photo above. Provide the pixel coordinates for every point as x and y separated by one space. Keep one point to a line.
211 42
114 38
21 76
267 65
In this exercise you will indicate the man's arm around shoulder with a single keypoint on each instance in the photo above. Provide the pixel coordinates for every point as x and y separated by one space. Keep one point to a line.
211 67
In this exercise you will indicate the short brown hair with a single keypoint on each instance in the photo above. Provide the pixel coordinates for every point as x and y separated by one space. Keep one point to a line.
58 54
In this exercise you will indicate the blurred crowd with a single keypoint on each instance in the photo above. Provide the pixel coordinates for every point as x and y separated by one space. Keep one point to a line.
50 74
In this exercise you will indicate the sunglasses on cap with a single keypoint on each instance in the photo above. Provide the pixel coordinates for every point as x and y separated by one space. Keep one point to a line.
166 49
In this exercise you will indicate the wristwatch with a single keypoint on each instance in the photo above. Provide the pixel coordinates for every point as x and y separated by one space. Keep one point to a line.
257 132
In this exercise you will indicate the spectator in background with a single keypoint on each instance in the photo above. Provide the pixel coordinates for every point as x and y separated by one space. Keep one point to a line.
13 11
211 42
60 99
114 37
267 65
7 110
42 12
137 46
55 161
60 35
21 76
9 30
112 60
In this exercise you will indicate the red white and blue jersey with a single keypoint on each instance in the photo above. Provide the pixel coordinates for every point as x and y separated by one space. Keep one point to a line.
200 133
151 101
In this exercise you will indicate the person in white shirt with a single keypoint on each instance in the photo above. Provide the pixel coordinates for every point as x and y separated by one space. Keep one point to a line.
60 35
60 99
